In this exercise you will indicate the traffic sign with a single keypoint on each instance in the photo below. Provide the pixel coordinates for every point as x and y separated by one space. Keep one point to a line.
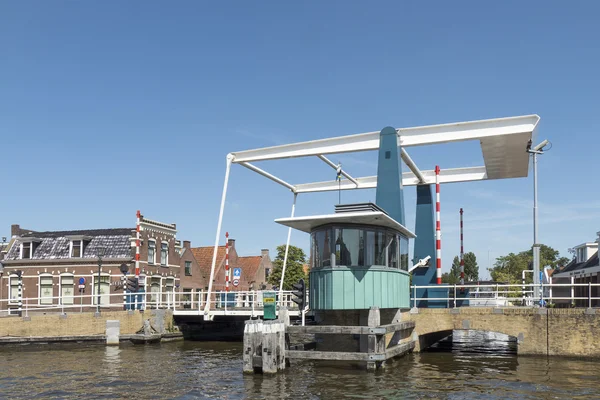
237 273
81 281
82 286
236 282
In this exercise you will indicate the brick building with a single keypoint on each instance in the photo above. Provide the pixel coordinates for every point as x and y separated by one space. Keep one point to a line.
52 263
255 269
194 280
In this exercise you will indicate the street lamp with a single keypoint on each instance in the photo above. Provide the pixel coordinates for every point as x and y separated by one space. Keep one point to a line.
101 251
539 149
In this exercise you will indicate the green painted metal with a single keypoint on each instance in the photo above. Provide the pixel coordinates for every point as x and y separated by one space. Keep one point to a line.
358 288
269 302
343 288
389 194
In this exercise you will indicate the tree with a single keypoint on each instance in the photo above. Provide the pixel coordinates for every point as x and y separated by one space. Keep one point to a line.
471 270
294 269
450 279
510 268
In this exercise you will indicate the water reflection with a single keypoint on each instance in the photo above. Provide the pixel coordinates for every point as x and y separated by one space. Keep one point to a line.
191 370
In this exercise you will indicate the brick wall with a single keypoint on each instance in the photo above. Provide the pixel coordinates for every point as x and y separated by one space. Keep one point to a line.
77 324
565 332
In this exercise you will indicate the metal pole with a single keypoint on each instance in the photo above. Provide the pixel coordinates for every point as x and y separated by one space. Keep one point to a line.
462 251
138 301
226 266
415 296
536 249
438 231
590 294
217 236
572 290
98 286
287 248
20 293
455 295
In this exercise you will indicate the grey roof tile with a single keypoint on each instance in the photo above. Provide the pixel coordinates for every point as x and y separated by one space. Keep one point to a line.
56 245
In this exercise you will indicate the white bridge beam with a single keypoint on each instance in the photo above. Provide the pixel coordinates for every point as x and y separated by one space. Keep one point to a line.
451 175
407 137
332 165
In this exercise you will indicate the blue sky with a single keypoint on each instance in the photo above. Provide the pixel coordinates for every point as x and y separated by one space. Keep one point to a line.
110 107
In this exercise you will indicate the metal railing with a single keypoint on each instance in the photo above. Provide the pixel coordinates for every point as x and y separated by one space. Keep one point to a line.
247 300
508 295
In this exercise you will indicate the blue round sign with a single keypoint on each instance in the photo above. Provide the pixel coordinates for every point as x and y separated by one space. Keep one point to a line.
82 281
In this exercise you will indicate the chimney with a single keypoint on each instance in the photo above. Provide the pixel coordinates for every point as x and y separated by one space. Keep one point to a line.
187 244
231 243
264 252
15 230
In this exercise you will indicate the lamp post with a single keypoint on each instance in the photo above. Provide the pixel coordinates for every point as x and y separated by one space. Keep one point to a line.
101 251
539 149
2 272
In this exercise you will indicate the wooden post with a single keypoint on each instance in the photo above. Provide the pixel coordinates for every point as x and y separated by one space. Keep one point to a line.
250 335
273 347
373 345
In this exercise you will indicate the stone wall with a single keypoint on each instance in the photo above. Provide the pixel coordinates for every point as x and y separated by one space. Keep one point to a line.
83 324
564 332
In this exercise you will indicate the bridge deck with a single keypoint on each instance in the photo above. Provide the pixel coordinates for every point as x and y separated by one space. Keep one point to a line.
233 312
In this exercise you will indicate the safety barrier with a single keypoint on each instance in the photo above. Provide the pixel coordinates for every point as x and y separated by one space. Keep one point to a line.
506 295
246 300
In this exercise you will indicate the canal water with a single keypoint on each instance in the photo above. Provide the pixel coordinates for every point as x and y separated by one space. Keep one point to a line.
473 366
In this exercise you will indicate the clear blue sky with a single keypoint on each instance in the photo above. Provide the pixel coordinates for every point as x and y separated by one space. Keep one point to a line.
110 107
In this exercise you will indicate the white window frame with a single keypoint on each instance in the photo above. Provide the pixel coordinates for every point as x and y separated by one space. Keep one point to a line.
80 248
95 287
185 268
167 293
155 302
30 250
166 263
60 289
153 243
12 277
45 275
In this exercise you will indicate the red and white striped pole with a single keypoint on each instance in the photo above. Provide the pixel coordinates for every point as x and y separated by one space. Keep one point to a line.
462 251
438 232
227 261
137 245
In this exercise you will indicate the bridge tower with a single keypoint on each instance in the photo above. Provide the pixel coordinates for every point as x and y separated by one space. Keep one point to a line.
360 253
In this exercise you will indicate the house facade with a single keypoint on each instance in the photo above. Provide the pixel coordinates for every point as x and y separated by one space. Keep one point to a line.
583 269
62 271
254 269
194 280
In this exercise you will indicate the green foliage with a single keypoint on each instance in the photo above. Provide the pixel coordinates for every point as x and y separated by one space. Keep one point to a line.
509 268
471 270
293 270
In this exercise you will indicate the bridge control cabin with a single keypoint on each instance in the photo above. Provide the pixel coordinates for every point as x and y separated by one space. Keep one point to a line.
359 258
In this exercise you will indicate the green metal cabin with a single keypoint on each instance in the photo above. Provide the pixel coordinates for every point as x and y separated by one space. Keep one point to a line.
359 258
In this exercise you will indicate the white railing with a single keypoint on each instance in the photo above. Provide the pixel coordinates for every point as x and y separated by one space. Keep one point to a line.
248 300
507 295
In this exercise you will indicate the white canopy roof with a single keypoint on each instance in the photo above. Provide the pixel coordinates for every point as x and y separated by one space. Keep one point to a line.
373 218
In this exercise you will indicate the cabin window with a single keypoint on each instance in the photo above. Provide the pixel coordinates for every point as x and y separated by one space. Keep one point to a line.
355 246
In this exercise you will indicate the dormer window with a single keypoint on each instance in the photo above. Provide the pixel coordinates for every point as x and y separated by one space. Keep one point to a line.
78 245
28 248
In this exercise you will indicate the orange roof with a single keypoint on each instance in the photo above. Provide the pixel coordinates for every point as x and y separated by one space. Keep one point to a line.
204 256
306 269
250 266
